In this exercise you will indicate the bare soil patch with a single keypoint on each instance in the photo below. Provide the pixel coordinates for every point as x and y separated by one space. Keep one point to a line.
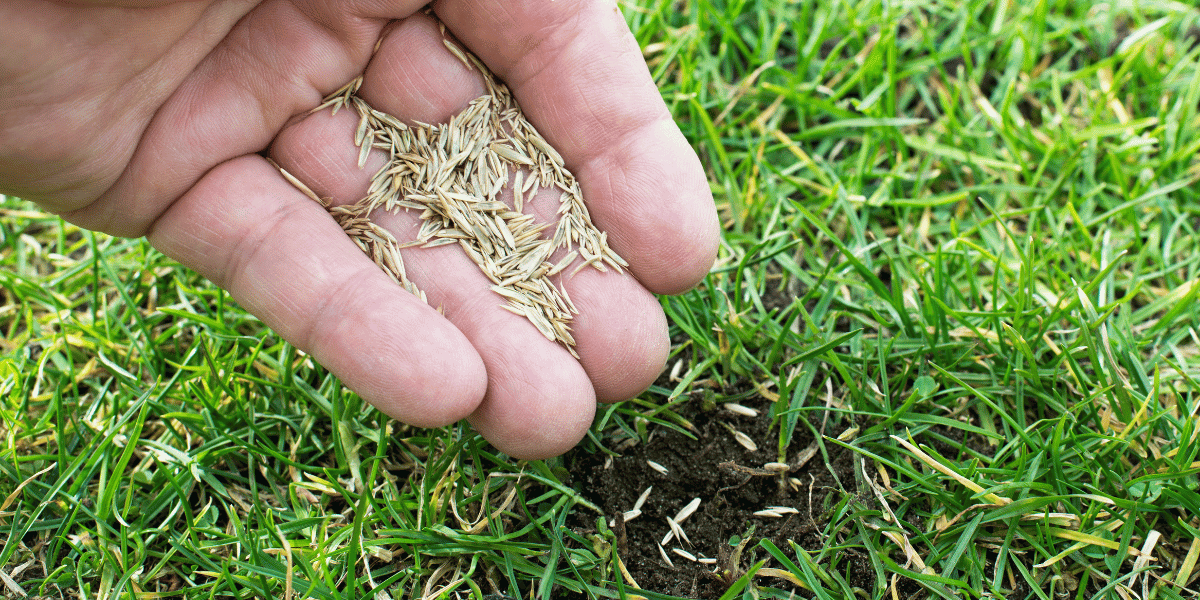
732 485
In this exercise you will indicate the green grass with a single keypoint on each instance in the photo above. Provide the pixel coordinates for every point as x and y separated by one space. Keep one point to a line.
968 229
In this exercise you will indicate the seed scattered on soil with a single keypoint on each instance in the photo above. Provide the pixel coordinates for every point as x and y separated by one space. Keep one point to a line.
738 409
657 467
684 553
687 510
641 501
453 175
776 511
626 516
666 559
675 532
676 370
744 440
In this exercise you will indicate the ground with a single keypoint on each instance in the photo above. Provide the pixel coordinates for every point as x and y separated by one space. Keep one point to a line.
708 463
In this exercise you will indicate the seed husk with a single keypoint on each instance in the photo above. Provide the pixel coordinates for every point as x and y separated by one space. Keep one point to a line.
641 501
666 559
738 409
675 531
687 510
454 173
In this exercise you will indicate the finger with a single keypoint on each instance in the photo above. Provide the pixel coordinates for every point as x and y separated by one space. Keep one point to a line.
546 401
535 388
278 61
579 75
284 259
622 335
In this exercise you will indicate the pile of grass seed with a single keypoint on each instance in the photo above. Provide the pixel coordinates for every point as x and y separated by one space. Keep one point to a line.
453 175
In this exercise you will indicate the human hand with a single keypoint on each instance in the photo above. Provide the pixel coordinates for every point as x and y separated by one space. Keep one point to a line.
147 118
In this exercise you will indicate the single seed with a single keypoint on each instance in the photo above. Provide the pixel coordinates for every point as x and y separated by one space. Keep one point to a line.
563 263
666 559
657 467
508 153
684 553
642 499
626 517
744 440
687 510
518 194
738 409
676 370
307 191
434 243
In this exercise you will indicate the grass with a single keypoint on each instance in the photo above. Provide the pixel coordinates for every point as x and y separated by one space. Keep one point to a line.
964 234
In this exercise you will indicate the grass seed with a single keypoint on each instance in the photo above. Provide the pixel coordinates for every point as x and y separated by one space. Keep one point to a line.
454 174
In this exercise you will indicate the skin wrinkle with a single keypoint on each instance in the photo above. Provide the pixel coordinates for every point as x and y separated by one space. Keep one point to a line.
331 306
251 44
418 80
606 167
606 351
531 45
191 239
265 91
246 250
214 20
337 22
569 38
506 368
416 97
556 32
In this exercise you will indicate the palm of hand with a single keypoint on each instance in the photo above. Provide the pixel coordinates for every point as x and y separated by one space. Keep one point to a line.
150 121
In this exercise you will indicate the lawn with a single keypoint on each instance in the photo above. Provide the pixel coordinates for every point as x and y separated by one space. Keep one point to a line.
949 349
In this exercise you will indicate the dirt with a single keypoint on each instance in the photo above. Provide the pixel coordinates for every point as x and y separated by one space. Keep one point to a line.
732 484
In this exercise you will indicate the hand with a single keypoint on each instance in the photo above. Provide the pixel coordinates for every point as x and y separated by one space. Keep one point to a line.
145 117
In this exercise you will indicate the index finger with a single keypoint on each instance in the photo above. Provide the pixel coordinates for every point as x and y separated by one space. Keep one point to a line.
579 75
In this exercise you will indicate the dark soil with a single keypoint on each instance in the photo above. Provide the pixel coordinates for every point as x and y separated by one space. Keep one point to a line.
721 472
